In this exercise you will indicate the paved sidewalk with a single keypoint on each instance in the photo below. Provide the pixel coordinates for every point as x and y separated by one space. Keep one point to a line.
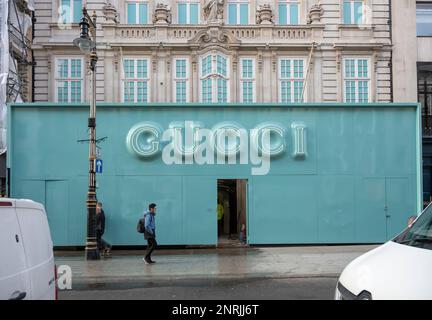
238 263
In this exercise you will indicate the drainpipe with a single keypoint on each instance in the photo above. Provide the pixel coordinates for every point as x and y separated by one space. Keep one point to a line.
32 57
307 71
391 52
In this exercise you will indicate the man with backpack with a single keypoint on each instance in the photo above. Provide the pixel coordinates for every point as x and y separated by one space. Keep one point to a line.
150 232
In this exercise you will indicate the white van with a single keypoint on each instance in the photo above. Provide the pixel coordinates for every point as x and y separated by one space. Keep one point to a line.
27 269
398 270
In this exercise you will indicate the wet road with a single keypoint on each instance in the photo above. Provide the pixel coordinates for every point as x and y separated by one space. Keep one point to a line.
234 289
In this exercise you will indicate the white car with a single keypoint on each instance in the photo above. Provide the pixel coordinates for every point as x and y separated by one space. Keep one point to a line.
398 270
27 269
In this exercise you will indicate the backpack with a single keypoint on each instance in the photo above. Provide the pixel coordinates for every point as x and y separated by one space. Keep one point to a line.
141 225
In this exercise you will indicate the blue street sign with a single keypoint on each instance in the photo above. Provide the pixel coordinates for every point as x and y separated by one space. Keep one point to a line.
98 165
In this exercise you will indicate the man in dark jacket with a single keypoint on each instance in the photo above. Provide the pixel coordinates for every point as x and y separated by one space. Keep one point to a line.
103 246
150 232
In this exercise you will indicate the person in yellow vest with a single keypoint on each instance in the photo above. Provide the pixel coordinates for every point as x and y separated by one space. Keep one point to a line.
220 214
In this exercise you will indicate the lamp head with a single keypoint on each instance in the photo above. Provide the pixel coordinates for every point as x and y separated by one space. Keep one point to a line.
84 43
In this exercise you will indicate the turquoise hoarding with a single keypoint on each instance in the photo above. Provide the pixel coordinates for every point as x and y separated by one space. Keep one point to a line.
316 173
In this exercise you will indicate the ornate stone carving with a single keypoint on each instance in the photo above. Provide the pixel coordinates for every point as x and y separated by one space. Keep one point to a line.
162 14
375 61
214 36
168 61
154 60
338 60
49 57
260 61
234 59
264 14
110 12
274 60
213 11
116 61
194 60
315 14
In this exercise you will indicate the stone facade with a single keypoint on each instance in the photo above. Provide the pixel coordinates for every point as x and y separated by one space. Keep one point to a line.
321 39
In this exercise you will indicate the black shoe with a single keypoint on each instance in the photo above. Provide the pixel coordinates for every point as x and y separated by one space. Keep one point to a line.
151 261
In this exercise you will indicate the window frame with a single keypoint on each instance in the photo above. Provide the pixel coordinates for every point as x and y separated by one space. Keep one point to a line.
352 13
137 14
214 76
417 9
68 79
247 79
177 79
188 11
72 12
238 4
292 79
135 79
356 78
288 4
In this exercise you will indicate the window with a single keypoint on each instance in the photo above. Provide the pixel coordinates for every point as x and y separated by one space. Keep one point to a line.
424 75
181 83
188 12
214 76
419 234
238 12
356 80
247 80
69 80
137 12
424 19
354 12
136 80
291 80
70 11
288 12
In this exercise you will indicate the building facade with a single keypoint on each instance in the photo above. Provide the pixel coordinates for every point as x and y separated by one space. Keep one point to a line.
412 68
345 161
218 51
16 65
424 85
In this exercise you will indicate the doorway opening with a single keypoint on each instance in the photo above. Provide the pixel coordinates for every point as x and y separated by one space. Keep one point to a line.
232 212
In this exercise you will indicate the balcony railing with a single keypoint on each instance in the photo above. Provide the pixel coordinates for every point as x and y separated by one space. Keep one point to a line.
183 34
136 32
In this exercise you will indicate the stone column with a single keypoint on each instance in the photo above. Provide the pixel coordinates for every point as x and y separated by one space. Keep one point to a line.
154 79
267 76
117 65
167 77
274 90
259 77
316 75
194 84
234 94
339 76
404 51
109 76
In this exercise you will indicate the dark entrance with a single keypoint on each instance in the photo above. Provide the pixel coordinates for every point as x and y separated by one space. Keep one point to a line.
232 212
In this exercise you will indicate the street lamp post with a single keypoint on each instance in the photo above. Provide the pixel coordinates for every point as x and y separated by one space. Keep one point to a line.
88 45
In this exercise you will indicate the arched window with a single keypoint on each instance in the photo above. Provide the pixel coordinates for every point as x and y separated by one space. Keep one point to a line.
214 75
